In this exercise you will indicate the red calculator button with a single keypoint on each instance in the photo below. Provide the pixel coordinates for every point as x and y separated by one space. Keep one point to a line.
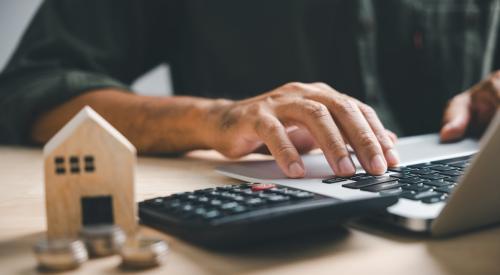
262 186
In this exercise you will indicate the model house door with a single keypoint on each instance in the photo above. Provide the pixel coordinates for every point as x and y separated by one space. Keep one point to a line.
97 210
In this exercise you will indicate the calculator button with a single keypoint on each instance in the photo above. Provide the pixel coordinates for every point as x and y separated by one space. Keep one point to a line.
191 197
224 188
214 194
238 209
238 198
279 191
157 202
229 205
243 192
212 214
204 191
255 202
301 195
200 211
203 199
277 198
181 195
215 202
173 204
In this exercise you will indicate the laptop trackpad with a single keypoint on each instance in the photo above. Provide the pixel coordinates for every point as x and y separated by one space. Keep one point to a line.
414 149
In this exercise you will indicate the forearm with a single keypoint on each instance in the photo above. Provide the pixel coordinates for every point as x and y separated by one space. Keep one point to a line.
152 124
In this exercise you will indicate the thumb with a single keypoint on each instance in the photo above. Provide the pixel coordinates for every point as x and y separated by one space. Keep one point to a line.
456 118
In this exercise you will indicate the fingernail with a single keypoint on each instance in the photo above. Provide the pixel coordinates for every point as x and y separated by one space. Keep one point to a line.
448 126
296 170
392 156
378 164
345 166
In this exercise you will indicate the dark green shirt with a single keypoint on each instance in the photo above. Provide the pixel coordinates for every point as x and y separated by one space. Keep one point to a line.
416 53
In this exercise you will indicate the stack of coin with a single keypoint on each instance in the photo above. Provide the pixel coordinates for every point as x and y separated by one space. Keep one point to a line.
60 254
142 253
102 240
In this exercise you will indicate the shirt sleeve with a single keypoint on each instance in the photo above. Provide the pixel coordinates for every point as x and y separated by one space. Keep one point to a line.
74 46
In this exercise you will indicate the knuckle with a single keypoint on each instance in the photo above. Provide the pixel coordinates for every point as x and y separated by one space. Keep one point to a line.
285 151
368 111
490 83
231 151
456 99
294 86
384 139
255 110
316 110
322 85
346 105
366 139
266 127
336 145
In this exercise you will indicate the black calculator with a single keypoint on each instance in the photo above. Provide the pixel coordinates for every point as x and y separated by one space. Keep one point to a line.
235 215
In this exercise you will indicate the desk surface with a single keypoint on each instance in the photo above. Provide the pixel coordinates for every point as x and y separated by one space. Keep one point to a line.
344 251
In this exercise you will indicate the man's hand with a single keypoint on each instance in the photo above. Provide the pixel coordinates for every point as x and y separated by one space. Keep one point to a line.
332 119
473 108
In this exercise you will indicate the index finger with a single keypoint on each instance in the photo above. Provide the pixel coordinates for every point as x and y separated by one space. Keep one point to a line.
358 132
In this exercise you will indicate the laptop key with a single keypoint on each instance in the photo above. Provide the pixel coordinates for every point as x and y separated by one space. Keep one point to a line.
368 182
401 169
361 177
383 186
446 189
442 168
452 160
414 180
417 188
422 195
389 192
438 183
423 172
434 199
461 164
421 165
333 180
402 175
433 177
452 179
452 173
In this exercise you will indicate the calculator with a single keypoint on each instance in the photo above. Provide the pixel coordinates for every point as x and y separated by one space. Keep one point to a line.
243 214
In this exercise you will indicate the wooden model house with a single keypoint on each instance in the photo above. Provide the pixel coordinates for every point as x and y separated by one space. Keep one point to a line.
89 177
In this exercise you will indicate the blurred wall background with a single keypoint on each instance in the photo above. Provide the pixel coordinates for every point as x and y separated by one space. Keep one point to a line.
14 18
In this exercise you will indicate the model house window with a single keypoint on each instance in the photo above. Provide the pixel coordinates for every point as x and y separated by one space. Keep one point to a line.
89 164
59 164
74 164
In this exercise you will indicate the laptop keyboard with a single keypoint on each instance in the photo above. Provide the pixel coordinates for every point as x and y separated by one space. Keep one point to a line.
428 182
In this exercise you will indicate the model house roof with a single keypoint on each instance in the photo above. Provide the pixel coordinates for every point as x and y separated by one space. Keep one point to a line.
84 115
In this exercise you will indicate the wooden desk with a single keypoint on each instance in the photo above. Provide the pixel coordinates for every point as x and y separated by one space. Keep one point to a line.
350 251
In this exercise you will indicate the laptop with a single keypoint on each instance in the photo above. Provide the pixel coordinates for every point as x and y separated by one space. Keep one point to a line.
442 188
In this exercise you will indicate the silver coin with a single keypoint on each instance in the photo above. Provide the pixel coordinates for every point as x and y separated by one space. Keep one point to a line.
102 240
142 252
60 254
